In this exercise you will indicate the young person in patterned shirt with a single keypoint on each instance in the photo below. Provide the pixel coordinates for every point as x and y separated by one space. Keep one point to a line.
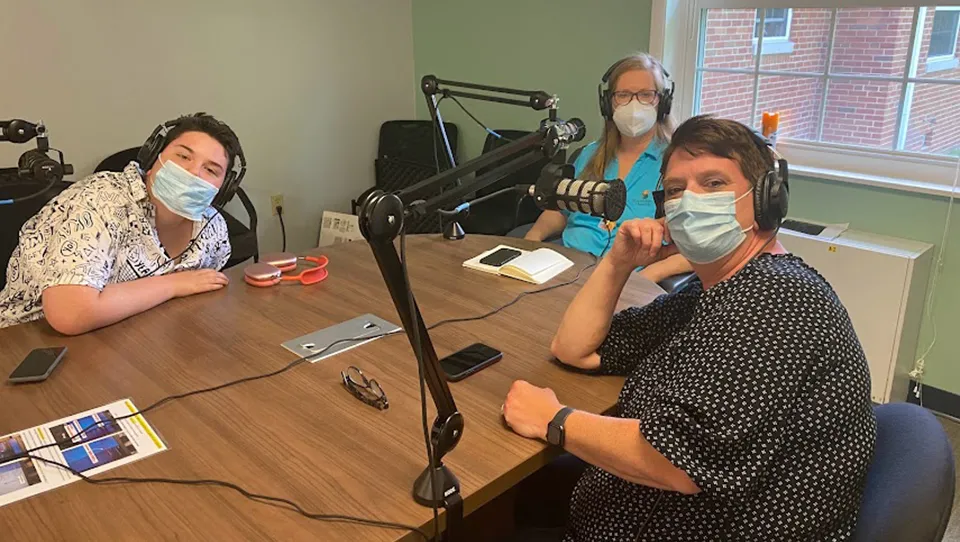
117 244
745 414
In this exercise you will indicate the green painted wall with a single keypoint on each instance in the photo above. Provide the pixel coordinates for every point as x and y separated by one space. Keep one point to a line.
524 44
508 42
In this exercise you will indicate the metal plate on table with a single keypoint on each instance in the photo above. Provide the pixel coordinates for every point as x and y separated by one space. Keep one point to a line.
343 336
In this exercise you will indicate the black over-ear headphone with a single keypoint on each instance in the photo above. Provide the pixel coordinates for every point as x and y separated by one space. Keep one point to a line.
771 194
158 141
605 95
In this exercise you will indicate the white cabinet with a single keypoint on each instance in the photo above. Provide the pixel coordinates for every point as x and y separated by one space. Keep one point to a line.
882 281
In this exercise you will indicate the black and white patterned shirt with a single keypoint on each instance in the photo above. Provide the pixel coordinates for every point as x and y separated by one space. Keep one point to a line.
100 231
758 389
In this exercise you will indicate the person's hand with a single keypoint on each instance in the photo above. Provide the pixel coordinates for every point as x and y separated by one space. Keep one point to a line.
639 243
529 409
187 283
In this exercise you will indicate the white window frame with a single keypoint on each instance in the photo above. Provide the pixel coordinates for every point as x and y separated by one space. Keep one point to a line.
956 36
675 37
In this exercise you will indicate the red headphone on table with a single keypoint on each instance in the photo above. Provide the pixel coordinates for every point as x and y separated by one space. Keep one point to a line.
271 268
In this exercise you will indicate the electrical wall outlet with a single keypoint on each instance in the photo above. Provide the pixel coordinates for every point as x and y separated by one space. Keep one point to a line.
276 200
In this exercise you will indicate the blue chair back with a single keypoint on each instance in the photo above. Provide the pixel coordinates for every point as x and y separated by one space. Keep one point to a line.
910 483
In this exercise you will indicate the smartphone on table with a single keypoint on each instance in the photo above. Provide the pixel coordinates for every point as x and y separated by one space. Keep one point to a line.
38 365
500 257
471 359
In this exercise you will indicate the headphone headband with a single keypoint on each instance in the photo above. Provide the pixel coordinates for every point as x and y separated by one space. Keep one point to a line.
610 70
159 139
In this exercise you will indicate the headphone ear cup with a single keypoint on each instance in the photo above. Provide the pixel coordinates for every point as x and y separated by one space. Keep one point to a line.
759 202
778 201
606 109
226 192
150 150
769 206
665 105
600 100
231 183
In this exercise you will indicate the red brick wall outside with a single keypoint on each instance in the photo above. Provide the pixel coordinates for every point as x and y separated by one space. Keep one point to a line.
935 116
872 41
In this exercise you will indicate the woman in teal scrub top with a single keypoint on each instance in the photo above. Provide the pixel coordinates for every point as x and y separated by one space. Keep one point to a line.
636 109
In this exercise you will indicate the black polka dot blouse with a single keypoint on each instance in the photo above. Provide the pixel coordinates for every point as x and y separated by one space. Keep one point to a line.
758 389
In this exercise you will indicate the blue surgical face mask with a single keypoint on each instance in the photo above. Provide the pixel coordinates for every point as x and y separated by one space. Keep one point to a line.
181 191
704 226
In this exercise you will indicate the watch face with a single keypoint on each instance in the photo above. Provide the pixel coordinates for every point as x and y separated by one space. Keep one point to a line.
553 434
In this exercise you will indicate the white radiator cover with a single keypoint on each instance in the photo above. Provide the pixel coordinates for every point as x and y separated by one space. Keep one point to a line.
882 281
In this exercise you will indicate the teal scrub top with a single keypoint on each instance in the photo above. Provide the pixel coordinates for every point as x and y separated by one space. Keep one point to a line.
584 232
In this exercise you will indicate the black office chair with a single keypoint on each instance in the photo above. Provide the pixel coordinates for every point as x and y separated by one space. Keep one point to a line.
13 217
503 213
409 151
243 238
410 140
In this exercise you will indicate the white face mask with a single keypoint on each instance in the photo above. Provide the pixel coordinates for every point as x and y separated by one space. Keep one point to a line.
635 118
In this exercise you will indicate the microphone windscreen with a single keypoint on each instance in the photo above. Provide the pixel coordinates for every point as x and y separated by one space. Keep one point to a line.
614 200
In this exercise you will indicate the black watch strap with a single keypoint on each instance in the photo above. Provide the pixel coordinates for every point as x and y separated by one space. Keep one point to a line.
556 430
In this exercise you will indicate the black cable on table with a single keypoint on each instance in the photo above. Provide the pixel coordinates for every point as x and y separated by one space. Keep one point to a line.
256 497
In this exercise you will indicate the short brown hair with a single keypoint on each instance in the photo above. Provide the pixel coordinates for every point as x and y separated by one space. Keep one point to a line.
208 124
725 138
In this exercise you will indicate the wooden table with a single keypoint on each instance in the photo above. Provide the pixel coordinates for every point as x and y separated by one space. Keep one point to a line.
299 435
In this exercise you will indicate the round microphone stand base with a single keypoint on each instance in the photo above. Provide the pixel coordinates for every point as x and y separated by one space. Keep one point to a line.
453 231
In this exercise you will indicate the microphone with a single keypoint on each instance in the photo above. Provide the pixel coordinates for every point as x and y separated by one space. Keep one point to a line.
35 164
557 190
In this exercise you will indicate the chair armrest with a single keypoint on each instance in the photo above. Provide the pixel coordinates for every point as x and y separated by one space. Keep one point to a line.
676 283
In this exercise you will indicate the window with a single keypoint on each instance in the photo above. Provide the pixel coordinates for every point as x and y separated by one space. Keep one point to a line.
861 92
776 24
943 37
776 31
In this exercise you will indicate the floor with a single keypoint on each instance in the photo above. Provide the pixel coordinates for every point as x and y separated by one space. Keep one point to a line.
952 428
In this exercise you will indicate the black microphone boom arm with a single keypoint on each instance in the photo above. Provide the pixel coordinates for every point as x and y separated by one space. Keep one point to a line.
20 131
381 218
535 99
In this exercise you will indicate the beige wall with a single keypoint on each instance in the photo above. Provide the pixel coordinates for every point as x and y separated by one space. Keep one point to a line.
305 84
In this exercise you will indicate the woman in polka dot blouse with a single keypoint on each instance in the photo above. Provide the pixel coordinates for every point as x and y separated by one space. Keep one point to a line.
746 412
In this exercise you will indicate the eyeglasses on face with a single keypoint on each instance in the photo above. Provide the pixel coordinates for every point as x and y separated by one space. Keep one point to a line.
363 388
623 97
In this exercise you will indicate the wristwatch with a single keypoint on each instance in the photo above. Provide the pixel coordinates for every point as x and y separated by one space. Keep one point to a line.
556 432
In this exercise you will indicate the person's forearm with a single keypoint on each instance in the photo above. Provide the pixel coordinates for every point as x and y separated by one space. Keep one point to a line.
548 224
674 265
617 446
81 308
587 321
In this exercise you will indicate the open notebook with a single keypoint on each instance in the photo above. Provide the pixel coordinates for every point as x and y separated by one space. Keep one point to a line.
537 266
